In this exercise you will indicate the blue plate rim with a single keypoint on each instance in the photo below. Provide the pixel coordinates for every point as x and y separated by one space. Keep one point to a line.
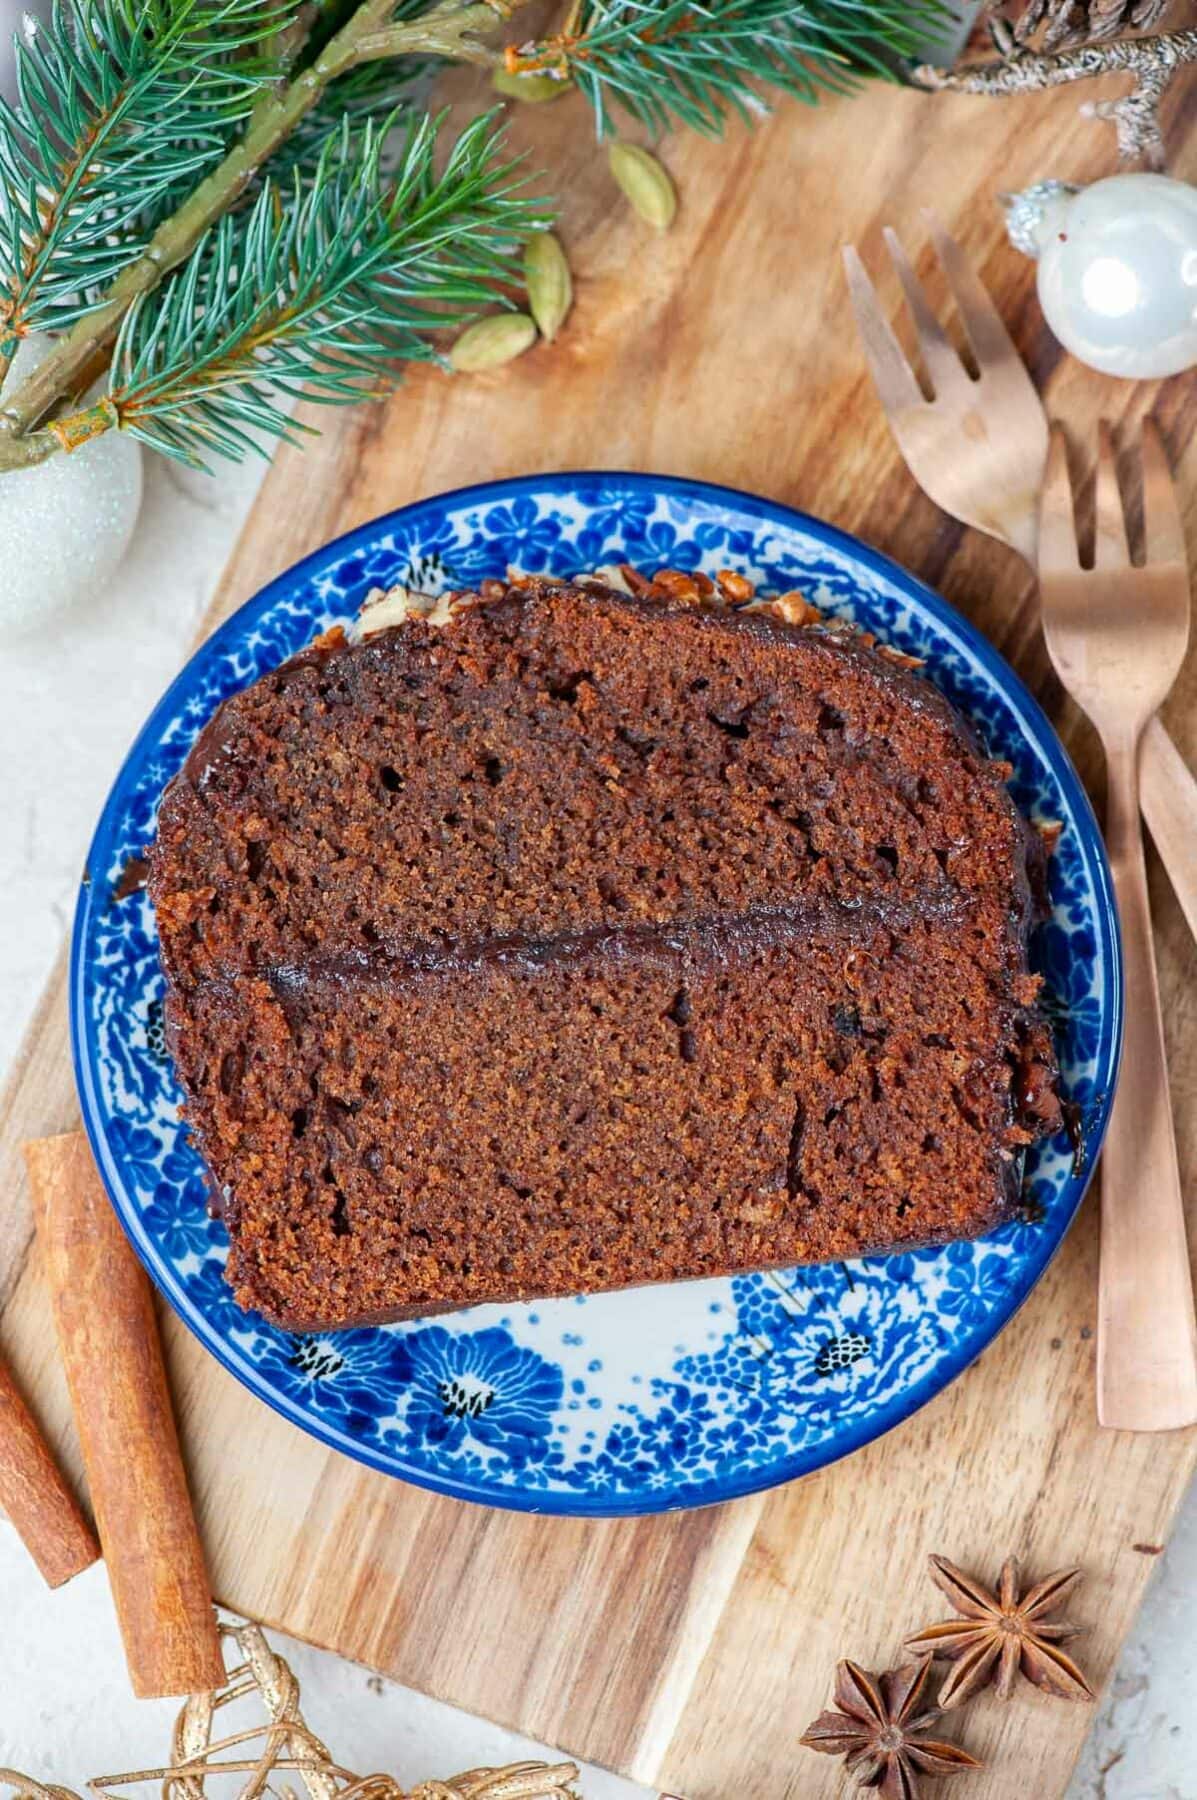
1034 725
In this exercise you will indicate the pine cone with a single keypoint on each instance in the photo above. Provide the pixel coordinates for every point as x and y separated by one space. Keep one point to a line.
1065 24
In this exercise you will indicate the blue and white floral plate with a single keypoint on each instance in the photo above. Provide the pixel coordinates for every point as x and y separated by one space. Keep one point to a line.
630 1402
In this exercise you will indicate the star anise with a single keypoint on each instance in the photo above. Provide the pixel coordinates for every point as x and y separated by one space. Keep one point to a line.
999 1634
882 1733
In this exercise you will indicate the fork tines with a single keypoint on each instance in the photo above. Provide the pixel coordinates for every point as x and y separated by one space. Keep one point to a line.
1163 531
887 360
991 343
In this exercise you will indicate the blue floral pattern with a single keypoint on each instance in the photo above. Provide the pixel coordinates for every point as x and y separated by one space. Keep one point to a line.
457 1387
612 1403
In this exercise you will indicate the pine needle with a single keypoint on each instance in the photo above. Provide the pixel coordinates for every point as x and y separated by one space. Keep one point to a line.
321 287
691 62
337 251
122 108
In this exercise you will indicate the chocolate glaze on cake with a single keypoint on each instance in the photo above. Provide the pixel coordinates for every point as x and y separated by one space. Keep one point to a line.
568 939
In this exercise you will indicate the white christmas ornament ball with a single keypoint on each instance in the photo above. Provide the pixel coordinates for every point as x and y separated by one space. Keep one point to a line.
1117 269
64 523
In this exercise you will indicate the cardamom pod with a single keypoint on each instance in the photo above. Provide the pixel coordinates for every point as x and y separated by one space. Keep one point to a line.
491 342
533 89
548 281
645 182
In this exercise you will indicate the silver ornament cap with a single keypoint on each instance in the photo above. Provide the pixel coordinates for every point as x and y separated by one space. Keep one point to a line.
1032 215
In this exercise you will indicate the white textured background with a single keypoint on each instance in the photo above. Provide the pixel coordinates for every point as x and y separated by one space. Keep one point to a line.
70 702
66 1714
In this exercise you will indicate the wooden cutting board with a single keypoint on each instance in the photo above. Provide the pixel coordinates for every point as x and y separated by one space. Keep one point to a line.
690 1651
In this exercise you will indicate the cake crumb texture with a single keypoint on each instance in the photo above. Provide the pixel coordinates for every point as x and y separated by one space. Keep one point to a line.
580 939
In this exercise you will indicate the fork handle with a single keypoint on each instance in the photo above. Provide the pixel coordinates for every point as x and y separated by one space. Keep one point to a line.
1146 1332
1168 794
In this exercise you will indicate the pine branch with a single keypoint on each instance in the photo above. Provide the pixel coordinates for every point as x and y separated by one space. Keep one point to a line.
371 90
392 63
693 61
374 90
447 28
198 191
318 290
118 108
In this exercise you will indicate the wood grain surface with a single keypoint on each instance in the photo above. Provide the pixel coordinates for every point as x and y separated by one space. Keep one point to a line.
690 1651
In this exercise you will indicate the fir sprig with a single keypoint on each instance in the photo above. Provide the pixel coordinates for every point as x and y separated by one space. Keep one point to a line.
372 91
320 287
290 87
196 194
121 108
691 62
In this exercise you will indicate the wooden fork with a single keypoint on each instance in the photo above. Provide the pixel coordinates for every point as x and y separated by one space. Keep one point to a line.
1116 635
978 449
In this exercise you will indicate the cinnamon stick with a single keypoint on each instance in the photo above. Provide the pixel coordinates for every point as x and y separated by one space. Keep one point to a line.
35 1496
108 1335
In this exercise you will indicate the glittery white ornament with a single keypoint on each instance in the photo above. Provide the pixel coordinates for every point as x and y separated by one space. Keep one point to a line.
1117 269
64 523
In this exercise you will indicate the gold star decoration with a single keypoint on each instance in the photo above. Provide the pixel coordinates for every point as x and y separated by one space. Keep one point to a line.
997 1635
882 1730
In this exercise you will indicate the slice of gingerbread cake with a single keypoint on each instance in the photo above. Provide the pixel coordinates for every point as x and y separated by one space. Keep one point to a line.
557 938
